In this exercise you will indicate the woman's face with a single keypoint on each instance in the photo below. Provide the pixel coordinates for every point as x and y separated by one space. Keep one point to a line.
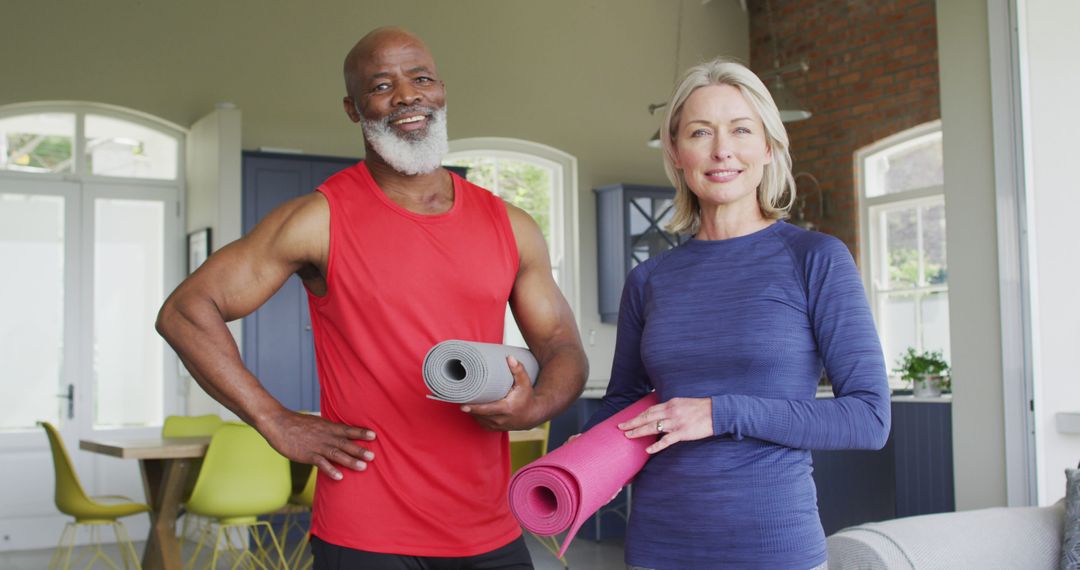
720 147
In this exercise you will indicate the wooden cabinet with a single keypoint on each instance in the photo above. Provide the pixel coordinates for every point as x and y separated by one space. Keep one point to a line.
629 230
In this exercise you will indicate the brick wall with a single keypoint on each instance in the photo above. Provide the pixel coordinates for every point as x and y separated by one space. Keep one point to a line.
873 72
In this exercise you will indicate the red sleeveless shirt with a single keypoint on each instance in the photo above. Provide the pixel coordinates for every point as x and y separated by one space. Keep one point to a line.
399 282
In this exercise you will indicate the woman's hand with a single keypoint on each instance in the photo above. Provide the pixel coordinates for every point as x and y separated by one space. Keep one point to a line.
678 419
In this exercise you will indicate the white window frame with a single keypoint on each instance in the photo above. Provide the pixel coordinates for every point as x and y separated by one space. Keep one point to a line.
564 221
872 254
169 192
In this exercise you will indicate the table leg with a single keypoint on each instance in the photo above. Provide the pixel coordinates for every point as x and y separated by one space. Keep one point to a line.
163 482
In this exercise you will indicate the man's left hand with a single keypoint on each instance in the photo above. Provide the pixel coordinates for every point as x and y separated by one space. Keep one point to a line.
513 411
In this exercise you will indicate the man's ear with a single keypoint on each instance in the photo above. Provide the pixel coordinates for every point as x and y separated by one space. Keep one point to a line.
350 109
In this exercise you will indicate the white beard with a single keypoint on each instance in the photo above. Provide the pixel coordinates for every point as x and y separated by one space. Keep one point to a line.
410 154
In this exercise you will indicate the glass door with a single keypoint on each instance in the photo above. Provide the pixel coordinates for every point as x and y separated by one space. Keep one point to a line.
90 243
39 347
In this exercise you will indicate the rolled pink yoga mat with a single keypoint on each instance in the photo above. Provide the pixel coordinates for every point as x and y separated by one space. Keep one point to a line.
562 489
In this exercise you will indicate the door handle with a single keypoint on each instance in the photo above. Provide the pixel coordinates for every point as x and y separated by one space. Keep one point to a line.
70 397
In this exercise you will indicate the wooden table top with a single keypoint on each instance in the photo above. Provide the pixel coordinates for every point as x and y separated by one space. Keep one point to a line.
148 448
185 447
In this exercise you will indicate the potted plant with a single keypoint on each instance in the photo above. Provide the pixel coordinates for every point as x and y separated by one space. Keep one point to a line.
927 371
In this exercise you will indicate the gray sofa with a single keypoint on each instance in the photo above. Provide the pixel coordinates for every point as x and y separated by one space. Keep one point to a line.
1006 537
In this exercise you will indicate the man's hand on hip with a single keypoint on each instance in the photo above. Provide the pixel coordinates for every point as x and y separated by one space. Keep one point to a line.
311 439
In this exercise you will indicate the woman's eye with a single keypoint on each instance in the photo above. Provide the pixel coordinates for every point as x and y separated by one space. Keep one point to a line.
700 133
742 130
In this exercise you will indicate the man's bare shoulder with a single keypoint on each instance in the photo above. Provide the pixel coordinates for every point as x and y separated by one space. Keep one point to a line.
520 220
530 240
298 230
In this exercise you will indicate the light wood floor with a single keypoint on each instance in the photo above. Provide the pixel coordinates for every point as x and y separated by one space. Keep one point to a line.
582 555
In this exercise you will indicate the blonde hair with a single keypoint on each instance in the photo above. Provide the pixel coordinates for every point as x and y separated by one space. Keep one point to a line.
776 192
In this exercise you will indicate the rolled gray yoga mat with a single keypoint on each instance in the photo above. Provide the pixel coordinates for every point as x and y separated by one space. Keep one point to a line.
466 372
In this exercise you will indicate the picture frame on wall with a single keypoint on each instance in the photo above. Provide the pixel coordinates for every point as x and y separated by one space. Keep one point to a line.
198 248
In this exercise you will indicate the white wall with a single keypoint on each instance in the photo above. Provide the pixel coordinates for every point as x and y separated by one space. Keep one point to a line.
1051 55
974 315
213 200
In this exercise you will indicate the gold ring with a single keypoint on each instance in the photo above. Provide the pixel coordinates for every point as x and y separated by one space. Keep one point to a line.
660 426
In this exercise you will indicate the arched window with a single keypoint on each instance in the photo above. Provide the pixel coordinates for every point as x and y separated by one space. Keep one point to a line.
90 234
540 180
902 220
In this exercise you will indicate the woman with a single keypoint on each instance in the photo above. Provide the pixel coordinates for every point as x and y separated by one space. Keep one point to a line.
732 329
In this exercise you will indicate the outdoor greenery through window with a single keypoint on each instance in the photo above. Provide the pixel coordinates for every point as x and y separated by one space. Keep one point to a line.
37 143
523 184
529 185
904 244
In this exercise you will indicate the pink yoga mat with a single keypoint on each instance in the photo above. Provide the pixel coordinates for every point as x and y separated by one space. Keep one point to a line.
562 489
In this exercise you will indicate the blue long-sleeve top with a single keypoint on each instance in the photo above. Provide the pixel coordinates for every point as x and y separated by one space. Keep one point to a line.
748 322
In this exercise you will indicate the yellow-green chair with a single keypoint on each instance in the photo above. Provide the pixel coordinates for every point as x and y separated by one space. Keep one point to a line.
242 477
521 454
190 426
90 512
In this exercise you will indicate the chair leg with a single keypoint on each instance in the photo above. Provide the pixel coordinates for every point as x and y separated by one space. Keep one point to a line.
551 544
204 535
264 558
241 546
93 551
298 551
64 548
126 547
222 533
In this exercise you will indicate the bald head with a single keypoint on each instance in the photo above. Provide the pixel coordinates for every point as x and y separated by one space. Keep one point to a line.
371 46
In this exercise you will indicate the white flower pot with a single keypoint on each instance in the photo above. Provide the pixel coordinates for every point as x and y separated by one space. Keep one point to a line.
929 386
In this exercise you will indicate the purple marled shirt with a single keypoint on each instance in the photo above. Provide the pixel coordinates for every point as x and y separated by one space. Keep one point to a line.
748 322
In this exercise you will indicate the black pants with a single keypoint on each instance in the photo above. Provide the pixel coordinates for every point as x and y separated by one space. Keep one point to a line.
513 556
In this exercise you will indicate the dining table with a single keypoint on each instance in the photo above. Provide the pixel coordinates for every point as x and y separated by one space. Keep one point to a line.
165 464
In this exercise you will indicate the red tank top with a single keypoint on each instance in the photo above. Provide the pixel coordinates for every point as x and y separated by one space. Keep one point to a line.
398 283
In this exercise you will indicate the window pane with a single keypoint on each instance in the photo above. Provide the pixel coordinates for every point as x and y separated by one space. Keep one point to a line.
664 210
902 244
41 142
128 290
640 216
481 171
528 186
912 164
933 223
935 322
32 327
897 326
119 148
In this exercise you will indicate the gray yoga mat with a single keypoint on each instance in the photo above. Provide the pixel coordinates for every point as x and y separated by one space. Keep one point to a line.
465 372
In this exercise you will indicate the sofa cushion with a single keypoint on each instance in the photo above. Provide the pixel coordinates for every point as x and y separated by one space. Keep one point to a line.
1070 540
1016 537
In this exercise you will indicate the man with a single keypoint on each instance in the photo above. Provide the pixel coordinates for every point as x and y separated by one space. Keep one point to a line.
396 254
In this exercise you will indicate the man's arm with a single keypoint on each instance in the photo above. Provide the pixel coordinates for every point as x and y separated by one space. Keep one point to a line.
548 326
233 282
